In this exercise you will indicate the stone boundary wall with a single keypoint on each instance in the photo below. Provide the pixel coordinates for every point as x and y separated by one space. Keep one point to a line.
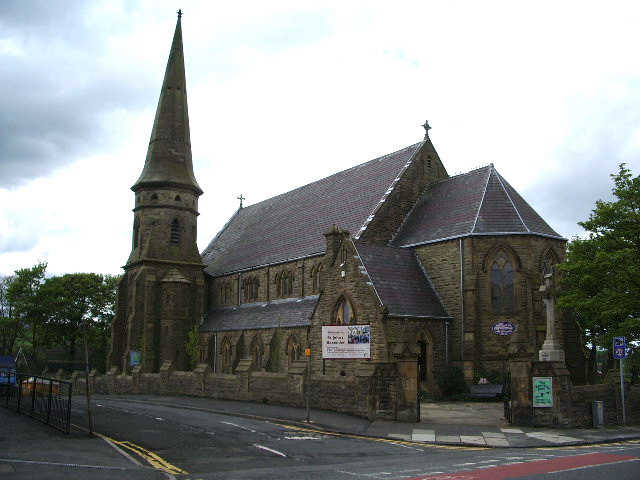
578 406
364 396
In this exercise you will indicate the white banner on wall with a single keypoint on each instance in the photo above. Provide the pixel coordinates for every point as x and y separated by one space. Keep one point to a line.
346 341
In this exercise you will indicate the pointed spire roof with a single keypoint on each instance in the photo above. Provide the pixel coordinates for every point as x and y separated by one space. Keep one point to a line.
169 154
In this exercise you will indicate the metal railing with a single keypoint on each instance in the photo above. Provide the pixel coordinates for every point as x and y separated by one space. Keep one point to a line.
45 399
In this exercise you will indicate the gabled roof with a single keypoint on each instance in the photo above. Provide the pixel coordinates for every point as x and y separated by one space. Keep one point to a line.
400 282
289 312
290 225
480 202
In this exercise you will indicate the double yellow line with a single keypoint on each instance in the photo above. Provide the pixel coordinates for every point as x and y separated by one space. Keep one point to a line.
151 458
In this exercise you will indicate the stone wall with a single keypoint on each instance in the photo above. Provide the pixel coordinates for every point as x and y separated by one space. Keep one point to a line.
371 396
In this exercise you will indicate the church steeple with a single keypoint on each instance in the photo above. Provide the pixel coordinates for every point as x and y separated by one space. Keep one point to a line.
161 294
168 161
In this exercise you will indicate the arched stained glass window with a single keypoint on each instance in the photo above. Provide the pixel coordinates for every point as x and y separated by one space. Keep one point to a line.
293 350
257 352
226 356
344 313
502 284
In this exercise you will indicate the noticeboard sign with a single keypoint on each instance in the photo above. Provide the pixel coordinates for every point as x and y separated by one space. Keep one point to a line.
346 341
542 392
619 348
134 358
503 328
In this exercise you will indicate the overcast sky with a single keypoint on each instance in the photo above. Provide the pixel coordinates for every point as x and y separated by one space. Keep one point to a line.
282 93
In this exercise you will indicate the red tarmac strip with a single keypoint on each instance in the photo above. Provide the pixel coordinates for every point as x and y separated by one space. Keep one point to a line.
531 468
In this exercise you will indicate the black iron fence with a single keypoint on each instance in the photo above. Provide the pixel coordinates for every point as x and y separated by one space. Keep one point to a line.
46 399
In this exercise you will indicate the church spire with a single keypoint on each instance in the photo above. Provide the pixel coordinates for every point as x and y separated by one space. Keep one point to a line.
168 160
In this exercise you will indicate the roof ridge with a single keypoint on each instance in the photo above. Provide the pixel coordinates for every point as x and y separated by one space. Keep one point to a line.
367 273
391 187
341 172
524 224
484 193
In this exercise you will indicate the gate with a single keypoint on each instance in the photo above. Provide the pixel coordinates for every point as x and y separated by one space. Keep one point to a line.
45 399
506 390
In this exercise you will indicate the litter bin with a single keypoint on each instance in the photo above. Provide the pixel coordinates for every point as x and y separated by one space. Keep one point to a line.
597 410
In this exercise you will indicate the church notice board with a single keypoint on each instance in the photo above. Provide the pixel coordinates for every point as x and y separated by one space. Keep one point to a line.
542 392
346 341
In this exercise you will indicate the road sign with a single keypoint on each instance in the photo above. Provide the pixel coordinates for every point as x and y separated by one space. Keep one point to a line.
619 347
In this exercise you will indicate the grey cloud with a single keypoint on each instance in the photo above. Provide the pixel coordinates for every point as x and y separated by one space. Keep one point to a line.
57 88
604 135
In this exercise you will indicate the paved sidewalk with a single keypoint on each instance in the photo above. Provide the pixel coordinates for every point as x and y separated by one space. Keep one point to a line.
476 424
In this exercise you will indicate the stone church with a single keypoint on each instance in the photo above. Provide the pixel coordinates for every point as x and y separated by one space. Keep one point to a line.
392 263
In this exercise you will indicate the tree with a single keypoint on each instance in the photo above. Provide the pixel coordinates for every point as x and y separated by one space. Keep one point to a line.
23 297
9 324
73 302
193 347
601 277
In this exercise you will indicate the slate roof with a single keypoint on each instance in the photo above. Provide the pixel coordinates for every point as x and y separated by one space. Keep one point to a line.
400 282
291 225
289 312
480 202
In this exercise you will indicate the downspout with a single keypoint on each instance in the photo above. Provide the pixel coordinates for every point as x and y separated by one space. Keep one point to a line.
462 312
215 351
446 343
239 288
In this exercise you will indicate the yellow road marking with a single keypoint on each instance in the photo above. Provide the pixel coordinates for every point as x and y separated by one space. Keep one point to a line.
590 445
153 459
383 440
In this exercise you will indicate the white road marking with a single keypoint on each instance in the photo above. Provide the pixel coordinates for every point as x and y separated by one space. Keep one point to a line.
269 449
239 426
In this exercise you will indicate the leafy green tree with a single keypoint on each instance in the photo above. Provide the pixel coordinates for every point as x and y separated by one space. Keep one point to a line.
193 347
75 302
9 325
601 277
23 297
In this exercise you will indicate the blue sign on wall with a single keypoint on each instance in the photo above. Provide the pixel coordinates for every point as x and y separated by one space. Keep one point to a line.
503 328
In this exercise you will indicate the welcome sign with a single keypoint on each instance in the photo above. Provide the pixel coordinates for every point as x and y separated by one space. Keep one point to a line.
346 341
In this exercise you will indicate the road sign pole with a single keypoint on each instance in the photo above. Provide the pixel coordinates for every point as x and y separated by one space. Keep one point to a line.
624 413
308 354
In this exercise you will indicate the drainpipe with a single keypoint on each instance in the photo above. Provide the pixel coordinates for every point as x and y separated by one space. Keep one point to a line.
240 288
215 351
461 299
446 343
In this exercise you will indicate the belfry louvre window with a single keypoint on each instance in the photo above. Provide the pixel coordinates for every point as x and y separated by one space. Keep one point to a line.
344 313
502 280
175 232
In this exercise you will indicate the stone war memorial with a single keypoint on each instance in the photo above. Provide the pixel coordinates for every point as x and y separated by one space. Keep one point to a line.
390 275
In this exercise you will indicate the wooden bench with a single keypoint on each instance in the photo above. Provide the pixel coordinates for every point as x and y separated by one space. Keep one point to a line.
485 390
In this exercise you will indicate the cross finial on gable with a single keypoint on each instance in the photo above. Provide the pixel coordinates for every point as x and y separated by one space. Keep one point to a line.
179 14
426 128
241 198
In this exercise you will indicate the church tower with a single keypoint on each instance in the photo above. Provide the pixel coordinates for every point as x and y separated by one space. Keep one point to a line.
161 295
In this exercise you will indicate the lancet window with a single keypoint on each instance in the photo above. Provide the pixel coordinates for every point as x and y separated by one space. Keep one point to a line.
502 283
293 350
250 288
343 313
316 278
284 284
